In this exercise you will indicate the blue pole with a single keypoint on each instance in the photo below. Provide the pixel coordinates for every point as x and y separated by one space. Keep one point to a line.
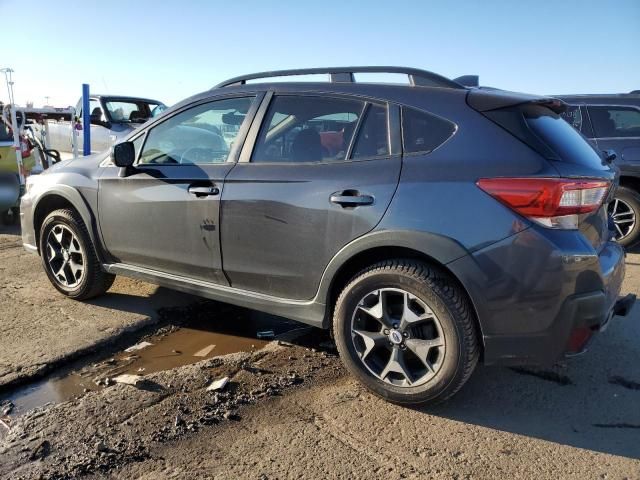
86 121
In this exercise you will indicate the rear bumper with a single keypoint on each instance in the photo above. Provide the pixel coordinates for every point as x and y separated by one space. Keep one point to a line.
579 319
540 295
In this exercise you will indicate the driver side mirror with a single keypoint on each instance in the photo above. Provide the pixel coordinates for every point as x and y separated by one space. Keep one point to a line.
123 155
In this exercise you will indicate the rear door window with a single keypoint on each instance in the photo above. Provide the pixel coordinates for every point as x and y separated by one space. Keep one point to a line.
373 136
307 129
423 132
614 121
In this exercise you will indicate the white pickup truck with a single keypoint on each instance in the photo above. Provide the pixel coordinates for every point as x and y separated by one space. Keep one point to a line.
112 117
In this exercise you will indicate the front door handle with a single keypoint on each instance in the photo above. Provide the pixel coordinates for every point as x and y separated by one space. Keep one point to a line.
351 198
200 191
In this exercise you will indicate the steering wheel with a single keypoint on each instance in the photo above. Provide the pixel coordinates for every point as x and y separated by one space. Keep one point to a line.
195 149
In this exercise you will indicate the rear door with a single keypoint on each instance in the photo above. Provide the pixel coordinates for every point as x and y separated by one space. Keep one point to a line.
617 128
318 173
165 215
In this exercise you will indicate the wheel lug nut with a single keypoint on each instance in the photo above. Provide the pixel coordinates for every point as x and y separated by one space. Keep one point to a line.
385 331
405 335
395 325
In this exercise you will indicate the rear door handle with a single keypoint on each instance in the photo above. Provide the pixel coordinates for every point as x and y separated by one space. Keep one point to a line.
200 191
349 198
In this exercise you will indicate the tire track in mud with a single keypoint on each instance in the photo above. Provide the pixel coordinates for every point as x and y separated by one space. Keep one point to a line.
383 461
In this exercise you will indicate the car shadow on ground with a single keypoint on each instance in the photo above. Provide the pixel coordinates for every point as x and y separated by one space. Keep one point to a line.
142 304
589 402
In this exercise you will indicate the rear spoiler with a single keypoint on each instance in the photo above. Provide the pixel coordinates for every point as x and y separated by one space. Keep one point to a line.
468 80
484 100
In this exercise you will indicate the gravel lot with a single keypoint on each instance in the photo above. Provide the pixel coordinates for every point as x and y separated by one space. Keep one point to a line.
290 410
39 328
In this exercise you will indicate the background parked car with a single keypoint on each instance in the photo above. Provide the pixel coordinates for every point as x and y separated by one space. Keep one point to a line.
612 122
112 118
9 180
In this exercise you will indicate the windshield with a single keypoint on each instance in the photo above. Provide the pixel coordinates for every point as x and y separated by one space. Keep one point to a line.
129 110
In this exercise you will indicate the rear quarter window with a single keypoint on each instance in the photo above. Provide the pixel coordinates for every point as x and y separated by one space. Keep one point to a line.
423 132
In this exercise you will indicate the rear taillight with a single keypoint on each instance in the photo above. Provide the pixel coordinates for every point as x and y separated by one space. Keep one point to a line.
551 202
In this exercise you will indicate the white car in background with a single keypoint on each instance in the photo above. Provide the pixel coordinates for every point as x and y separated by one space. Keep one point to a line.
112 117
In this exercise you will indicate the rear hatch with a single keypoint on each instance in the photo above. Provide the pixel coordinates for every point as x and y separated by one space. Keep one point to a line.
536 121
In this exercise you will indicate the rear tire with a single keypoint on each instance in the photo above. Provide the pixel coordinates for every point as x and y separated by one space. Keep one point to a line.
69 257
628 209
426 330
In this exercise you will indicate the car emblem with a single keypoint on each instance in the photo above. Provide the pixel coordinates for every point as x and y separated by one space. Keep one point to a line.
396 337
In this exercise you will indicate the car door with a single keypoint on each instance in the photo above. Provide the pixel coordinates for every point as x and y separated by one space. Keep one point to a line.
316 173
617 127
164 215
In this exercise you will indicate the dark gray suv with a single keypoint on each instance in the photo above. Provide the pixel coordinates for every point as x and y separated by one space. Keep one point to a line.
429 225
612 122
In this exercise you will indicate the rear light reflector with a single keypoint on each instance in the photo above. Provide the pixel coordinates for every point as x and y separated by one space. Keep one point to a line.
578 339
551 202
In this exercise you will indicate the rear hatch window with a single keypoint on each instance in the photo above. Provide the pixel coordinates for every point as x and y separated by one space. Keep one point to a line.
568 144
547 133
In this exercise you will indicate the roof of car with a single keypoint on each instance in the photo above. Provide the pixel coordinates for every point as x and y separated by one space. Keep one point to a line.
124 97
632 98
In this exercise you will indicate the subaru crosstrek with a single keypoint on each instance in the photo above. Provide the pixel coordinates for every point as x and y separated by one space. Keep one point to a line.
430 225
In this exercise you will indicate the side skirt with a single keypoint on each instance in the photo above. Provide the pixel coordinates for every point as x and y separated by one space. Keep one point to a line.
309 312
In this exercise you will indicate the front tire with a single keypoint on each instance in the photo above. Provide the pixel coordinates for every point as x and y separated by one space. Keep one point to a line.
69 257
406 330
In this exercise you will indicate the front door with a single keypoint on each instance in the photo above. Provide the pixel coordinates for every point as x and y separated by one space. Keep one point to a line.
319 175
165 215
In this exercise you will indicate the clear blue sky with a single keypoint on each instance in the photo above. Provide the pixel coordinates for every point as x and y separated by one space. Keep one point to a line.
171 49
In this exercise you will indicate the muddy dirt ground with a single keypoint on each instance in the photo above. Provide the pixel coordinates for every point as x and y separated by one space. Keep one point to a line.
289 409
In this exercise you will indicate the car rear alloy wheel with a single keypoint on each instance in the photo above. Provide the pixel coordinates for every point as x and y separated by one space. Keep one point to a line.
624 218
398 337
407 331
625 212
64 256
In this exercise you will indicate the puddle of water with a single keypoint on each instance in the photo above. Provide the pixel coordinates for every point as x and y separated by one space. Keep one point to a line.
206 338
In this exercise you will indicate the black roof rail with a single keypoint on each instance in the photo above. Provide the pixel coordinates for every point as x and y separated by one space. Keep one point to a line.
635 91
417 77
